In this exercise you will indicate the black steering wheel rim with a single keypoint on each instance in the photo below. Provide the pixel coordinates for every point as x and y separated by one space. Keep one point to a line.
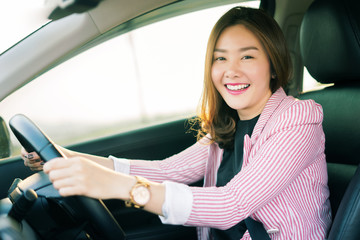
34 140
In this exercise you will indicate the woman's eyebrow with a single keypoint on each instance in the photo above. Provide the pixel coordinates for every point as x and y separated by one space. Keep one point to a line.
243 49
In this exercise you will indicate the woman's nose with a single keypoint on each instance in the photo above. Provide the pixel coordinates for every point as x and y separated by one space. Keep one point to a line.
232 71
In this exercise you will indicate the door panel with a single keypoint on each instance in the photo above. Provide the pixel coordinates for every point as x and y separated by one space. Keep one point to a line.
152 143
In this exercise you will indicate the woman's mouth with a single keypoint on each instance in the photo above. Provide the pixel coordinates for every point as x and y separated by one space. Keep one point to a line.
236 88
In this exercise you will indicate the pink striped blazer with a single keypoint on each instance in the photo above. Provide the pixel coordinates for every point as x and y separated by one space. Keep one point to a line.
283 181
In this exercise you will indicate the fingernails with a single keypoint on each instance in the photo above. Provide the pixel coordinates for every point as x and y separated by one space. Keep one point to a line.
42 163
29 156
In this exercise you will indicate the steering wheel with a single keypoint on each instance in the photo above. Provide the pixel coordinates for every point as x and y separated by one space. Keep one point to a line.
33 139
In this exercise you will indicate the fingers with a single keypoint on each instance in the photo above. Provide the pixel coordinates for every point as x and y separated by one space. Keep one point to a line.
32 160
58 169
66 176
61 168
58 163
29 157
36 168
67 187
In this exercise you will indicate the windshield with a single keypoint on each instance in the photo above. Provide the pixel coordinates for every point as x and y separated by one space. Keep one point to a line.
19 18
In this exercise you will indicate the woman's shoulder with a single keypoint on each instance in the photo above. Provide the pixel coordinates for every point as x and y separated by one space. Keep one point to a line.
302 111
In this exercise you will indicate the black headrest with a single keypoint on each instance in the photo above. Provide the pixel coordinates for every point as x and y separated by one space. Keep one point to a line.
330 40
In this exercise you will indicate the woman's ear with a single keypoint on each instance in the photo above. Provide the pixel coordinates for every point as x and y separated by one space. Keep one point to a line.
273 75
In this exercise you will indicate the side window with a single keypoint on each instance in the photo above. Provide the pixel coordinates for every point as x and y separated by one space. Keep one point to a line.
147 76
310 84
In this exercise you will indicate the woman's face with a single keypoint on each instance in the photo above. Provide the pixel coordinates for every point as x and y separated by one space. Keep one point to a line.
241 71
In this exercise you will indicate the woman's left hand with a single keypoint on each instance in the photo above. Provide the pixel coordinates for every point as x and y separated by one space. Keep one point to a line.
80 176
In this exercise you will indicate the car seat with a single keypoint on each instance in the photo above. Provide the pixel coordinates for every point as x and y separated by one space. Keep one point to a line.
330 48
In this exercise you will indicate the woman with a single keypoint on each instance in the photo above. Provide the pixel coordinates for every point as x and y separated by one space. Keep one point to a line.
260 152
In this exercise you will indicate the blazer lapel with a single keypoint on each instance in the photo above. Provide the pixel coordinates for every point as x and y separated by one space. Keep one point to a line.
272 104
269 109
247 149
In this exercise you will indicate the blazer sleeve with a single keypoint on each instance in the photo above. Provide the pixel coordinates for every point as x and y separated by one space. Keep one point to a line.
186 167
294 141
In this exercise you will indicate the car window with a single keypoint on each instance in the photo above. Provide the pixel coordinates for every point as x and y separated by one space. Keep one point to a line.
147 76
310 84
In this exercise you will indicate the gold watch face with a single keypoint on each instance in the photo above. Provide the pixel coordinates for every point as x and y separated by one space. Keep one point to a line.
141 195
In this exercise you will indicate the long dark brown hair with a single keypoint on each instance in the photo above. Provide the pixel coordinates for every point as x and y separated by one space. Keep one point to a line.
214 115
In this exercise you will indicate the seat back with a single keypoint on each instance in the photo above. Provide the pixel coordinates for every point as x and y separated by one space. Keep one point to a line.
330 48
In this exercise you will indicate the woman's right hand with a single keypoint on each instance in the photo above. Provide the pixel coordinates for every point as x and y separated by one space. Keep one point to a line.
32 160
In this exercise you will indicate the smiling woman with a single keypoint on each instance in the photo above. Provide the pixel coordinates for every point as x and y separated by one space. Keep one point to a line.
259 151
134 80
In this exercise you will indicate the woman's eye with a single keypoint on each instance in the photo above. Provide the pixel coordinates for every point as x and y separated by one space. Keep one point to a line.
247 57
220 59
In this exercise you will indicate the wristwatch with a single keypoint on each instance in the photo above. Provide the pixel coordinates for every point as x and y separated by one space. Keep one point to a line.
139 193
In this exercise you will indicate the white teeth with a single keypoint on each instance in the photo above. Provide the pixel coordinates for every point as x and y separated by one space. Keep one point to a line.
237 87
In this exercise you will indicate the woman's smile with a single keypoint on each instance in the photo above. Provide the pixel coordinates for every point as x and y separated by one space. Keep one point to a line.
237 88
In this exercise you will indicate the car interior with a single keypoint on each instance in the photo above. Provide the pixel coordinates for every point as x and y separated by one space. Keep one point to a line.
322 35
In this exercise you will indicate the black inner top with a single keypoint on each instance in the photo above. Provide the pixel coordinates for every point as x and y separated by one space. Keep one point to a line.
229 167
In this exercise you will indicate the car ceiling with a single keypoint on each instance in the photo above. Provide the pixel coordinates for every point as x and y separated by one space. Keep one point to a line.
111 13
